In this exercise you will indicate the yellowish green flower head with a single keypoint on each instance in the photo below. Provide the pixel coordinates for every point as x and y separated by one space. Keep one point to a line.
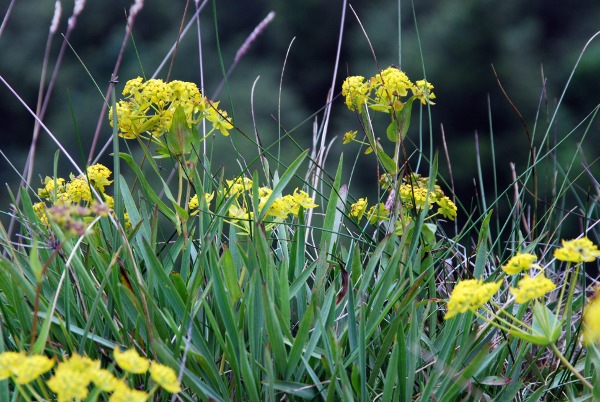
7 361
358 209
350 136
470 294
378 213
194 204
165 377
530 288
149 107
123 393
423 90
105 380
78 190
390 87
236 187
447 208
98 176
386 92
591 320
356 90
577 250
29 368
219 119
520 262
131 361
72 378
40 210
23 369
51 188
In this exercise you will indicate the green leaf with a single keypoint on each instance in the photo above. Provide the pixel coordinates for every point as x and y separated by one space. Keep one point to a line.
34 261
386 161
545 327
231 276
181 136
404 117
392 131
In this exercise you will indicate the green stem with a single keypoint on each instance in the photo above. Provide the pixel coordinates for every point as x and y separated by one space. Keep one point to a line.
568 365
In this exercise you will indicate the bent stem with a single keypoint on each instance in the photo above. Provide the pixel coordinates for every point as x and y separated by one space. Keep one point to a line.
570 367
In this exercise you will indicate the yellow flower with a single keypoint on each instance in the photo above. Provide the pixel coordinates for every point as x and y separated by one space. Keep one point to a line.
105 380
131 361
78 189
530 288
165 376
29 368
281 207
193 204
125 394
378 213
237 186
40 210
300 199
390 86
219 119
7 361
98 175
349 136
72 378
358 209
49 190
520 262
447 208
591 320
356 91
577 250
423 90
470 294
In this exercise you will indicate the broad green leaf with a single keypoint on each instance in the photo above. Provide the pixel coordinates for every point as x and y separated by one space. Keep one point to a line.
392 131
404 117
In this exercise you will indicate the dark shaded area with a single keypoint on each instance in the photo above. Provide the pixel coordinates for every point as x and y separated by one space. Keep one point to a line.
460 41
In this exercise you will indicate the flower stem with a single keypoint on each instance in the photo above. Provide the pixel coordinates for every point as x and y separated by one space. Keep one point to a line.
568 365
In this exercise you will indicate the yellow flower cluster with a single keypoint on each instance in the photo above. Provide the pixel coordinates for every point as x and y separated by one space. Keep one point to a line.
149 107
470 294
194 204
520 262
72 203
577 250
73 377
531 286
413 194
591 319
23 369
280 209
386 92
535 285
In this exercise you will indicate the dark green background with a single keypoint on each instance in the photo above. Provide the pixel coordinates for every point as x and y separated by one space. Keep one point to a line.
460 40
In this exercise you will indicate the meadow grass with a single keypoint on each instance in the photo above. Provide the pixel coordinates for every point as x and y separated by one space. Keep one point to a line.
133 282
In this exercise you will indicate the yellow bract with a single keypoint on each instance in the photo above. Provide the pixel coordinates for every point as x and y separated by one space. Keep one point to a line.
165 377
131 361
470 294
530 288
577 250
520 262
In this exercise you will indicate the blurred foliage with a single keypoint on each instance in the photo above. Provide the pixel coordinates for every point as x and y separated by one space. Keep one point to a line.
526 42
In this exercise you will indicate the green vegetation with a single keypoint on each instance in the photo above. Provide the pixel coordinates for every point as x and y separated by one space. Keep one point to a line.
168 276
